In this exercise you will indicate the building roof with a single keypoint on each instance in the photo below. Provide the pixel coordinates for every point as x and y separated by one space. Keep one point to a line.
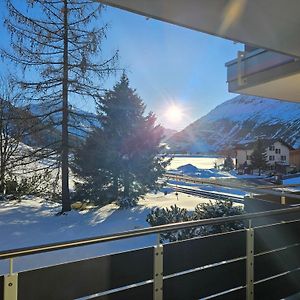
266 143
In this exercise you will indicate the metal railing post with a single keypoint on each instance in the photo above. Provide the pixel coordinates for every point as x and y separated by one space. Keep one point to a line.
10 284
158 271
282 198
240 69
250 262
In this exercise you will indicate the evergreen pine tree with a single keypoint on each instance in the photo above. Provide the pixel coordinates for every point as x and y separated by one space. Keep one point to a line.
259 156
122 159
228 163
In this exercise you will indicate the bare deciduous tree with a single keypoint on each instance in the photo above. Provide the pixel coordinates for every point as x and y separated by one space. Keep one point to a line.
17 126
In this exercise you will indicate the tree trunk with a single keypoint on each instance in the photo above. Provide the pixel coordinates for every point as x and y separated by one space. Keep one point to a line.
2 159
2 173
115 187
65 116
126 184
2 167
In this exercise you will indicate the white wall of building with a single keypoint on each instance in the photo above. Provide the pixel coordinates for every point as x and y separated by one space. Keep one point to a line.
276 153
279 153
242 156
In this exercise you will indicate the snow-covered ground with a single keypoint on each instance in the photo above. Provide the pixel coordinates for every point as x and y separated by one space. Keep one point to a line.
201 162
33 222
203 167
295 180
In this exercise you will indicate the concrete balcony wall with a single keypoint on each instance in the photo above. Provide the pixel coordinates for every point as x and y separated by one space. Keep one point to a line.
265 73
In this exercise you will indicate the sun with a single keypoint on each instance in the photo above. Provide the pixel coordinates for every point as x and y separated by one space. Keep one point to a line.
174 113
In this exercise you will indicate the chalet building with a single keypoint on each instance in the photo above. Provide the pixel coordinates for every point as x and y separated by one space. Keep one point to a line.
278 154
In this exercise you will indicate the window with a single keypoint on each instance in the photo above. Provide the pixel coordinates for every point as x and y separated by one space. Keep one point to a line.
271 157
248 157
283 157
278 151
272 148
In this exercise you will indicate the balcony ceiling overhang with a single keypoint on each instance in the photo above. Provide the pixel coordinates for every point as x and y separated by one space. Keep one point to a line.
268 24
286 88
265 73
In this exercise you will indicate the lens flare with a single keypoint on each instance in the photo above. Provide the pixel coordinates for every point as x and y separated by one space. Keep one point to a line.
174 113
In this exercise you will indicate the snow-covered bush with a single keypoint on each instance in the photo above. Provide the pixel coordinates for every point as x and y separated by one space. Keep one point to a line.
11 186
36 184
93 191
127 202
174 214
217 210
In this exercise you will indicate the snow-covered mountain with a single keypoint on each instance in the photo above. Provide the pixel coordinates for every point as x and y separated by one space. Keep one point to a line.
80 121
240 120
168 133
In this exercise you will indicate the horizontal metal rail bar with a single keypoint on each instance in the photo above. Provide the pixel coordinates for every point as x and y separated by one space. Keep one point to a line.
140 232
278 186
206 194
230 185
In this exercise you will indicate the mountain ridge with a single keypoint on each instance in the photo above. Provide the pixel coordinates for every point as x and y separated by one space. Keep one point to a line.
81 122
241 119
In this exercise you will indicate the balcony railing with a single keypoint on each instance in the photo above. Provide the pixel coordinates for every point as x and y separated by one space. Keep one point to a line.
264 73
254 263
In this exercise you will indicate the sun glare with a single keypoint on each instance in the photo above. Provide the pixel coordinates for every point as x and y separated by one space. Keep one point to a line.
174 113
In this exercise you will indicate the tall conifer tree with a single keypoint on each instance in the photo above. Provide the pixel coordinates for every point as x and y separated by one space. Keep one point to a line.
58 46
259 156
123 159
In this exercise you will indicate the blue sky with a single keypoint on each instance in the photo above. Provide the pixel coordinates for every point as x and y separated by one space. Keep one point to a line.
168 64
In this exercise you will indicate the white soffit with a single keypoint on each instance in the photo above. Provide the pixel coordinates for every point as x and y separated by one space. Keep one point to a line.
286 88
269 24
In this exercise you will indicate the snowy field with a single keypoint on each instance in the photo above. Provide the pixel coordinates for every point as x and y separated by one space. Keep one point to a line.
33 222
294 180
201 162
204 167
